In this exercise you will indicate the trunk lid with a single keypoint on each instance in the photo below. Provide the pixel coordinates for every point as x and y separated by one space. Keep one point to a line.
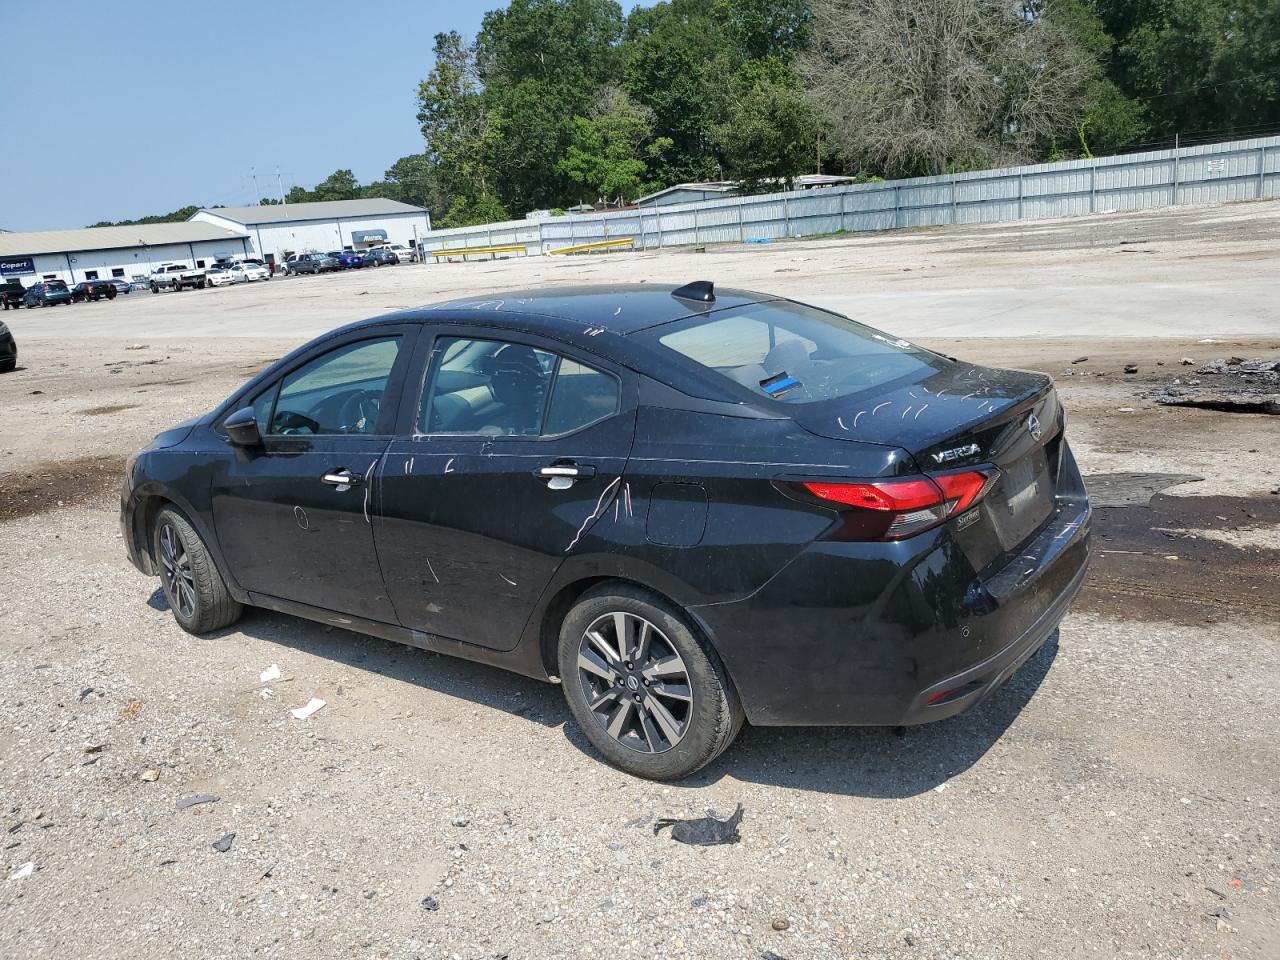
964 415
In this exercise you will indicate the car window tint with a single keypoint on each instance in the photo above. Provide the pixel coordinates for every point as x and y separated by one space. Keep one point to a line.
579 397
262 408
793 353
486 388
340 392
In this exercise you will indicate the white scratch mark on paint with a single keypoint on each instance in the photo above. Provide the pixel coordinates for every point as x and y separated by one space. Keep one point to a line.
431 569
448 467
627 494
618 311
600 507
920 411
861 414
878 406
906 411
840 420
508 579
367 474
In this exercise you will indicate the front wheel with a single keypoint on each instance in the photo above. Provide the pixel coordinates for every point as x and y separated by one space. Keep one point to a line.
155 288
197 594
646 690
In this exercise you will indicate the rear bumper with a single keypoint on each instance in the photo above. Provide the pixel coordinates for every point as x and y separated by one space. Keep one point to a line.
897 634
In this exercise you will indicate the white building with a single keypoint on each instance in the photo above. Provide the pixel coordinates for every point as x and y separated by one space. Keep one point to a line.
277 231
129 253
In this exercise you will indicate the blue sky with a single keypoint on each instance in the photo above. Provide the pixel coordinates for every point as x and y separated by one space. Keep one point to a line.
133 108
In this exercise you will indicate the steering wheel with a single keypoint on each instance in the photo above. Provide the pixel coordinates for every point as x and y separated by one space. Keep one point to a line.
359 411
290 423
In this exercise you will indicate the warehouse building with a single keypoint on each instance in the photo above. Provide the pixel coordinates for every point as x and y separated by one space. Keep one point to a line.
277 231
127 253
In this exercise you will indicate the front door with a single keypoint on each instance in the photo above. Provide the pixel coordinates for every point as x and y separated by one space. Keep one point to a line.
518 449
294 517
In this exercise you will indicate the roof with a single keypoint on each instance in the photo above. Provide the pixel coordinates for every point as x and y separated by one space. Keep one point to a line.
805 181
617 308
322 210
111 238
708 186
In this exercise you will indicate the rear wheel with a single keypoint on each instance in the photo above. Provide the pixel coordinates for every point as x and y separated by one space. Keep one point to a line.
197 594
646 690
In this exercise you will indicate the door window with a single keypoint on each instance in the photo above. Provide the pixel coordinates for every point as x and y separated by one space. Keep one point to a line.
340 392
495 388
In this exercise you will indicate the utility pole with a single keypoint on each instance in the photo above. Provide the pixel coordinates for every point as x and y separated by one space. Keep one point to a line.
819 170
257 197
280 184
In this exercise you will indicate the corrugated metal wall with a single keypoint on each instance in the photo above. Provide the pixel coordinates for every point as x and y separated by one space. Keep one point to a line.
1211 173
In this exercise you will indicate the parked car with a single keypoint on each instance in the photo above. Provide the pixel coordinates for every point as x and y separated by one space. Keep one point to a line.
403 254
247 272
93 290
704 505
220 275
177 276
11 293
122 285
351 259
379 256
8 350
311 263
46 293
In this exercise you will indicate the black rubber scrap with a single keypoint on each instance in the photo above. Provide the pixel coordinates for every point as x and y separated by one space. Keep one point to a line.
703 832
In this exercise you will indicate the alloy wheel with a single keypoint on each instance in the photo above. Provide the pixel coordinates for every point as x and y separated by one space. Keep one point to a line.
636 684
179 582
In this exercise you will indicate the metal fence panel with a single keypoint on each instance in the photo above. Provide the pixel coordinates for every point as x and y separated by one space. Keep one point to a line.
1209 173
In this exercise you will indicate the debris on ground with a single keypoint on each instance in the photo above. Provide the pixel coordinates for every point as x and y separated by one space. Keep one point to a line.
1130 368
704 832
301 713
430 903
196 800
1236 385
223 845
150 775
781 924
270 674
1079 359
129 710
23 871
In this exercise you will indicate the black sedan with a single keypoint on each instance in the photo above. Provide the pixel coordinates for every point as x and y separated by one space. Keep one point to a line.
381 256
690 507
93 290
47 293
8 350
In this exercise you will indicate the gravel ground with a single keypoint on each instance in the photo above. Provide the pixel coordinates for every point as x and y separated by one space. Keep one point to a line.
1118 798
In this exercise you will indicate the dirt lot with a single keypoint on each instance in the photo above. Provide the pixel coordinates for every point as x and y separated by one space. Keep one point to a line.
1118 798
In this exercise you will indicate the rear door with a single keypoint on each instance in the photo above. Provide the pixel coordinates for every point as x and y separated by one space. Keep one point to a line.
516 446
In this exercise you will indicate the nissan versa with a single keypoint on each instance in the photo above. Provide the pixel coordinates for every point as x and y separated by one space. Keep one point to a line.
691 507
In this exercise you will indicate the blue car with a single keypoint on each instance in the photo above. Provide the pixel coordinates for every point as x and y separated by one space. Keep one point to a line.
350 260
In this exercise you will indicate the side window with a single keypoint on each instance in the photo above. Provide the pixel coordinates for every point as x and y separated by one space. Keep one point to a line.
495 388
339 392
262 408
579 397
487 388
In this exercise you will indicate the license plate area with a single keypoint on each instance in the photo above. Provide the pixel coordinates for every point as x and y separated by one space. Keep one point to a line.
1023 500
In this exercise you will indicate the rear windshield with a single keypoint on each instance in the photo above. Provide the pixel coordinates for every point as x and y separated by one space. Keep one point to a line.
793 353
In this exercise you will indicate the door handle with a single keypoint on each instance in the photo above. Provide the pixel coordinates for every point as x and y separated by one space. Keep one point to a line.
571 470
341 478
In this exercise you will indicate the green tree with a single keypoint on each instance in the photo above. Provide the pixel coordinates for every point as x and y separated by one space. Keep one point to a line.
1201 67
608 157
339 185
770 132
454 118
465 212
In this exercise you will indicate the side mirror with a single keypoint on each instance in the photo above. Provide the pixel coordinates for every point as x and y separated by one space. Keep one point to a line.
242 428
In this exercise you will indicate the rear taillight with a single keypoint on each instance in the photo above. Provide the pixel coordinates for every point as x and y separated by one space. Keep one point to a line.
895 509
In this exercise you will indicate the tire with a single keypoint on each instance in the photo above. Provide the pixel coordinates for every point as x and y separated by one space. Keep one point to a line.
8 366
196 592
641 743
155 288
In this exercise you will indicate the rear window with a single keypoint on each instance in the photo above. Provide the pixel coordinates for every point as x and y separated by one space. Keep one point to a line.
793 353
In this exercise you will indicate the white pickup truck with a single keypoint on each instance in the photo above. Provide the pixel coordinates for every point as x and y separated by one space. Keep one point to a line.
176 276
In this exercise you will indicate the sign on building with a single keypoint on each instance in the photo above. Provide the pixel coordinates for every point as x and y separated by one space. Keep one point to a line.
17 266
